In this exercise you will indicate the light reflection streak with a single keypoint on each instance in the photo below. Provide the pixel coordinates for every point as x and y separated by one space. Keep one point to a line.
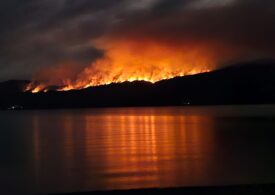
36 146
111 150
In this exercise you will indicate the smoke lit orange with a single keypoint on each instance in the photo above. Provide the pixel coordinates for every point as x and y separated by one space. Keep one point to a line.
129 61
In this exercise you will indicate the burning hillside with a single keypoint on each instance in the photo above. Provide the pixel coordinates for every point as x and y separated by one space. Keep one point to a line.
122 62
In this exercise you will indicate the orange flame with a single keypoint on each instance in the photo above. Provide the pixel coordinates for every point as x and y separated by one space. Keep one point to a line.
126 61
35 88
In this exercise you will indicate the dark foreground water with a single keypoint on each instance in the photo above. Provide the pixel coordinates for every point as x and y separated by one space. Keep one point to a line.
104 149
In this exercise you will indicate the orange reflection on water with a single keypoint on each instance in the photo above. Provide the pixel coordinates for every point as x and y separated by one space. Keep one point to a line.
147 150
108 149
121 149
36 145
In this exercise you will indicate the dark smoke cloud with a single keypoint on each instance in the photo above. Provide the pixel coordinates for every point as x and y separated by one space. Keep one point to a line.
36 34
39 34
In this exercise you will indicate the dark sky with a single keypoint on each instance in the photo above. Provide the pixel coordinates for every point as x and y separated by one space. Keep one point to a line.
40 34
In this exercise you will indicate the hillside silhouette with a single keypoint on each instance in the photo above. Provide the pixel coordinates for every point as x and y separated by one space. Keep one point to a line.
246 83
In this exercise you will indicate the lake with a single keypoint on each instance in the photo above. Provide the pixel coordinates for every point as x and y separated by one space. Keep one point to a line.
132 148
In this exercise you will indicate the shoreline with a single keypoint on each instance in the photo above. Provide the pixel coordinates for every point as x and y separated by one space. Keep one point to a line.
254 189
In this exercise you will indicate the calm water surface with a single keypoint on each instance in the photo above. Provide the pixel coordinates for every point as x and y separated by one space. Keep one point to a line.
123 148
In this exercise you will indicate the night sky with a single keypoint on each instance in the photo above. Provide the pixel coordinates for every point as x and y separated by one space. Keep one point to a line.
39 35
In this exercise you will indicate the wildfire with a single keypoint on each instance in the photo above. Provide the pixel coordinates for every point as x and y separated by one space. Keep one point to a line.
36 88
129 61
